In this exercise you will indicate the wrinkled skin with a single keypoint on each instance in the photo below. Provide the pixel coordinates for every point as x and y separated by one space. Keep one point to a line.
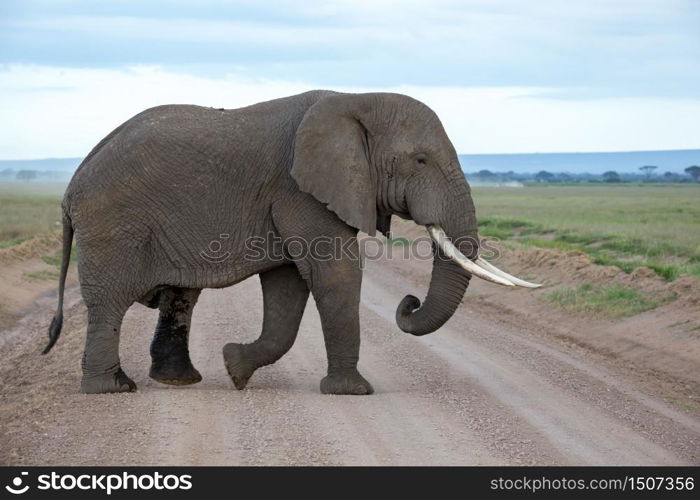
164 206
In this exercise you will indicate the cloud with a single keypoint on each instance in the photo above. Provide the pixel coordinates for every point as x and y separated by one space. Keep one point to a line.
621 48
61 112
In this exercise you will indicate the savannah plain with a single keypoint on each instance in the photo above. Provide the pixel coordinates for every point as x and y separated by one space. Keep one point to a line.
600 366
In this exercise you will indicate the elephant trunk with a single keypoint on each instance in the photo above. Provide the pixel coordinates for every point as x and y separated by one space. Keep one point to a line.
452 270
455 252
448 283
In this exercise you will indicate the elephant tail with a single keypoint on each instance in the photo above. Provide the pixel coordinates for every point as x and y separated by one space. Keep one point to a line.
57 321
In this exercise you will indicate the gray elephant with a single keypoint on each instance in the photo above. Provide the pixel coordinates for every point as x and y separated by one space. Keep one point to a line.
159 194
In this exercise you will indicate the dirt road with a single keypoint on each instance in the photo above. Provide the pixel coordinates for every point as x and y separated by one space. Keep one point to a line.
485 389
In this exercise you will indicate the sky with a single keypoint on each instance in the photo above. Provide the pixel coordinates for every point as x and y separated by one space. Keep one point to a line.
504 76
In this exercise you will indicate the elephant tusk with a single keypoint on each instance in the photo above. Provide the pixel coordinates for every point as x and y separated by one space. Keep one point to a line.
516 281
451 251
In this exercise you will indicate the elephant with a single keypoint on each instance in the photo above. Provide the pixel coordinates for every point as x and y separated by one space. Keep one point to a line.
168 204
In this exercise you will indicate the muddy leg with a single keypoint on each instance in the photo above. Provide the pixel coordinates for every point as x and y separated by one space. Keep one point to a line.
170 354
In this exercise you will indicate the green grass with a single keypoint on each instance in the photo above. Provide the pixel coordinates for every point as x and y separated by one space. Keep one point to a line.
27 209
681 402
12 242
494 232
47 274
52 260
399 241
501 228
657 226
536 242
582 239
55 259
610 302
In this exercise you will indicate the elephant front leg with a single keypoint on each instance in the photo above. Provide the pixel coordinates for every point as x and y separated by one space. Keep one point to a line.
170 355
327 256
284 299
337 295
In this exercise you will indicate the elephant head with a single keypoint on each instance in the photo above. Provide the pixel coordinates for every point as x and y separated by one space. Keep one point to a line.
368 156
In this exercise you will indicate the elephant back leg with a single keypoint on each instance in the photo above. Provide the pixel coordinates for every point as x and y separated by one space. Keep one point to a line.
284 299
112 277
101 366
170 355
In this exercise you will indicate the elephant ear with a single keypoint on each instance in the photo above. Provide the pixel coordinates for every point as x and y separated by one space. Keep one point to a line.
331 161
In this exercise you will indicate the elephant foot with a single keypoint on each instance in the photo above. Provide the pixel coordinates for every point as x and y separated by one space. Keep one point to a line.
239 368
172 372
108 382
346 382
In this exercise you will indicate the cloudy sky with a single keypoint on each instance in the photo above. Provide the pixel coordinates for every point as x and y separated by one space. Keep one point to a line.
504 76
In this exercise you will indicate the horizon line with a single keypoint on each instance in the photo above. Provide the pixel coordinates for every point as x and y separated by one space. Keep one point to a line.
459 154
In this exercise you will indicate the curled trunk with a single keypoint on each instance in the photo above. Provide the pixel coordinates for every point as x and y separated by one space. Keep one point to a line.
448 284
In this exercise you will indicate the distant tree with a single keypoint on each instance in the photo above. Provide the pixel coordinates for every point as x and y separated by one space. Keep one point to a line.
26 175
611 176
694 172
544 176
671 177
648 169
508 176
7 172
486 175
564 177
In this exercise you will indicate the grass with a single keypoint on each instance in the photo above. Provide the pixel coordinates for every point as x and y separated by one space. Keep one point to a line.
55 259
504 228
52 260
46 274
11 242
27 209
399 241
610 302
560 245
657 226
582 239
681 402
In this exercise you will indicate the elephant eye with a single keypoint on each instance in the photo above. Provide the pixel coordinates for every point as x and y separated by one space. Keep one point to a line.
421 159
